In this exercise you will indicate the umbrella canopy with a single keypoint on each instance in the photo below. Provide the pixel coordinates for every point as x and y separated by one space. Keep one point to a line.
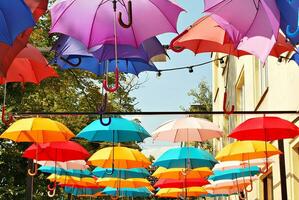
15 18
67 165
242 164
56 151
225 190
127 192
72 180
182 183
121 173
247 150
186 157
232 182
295 57
187 129
70 16
61 171
179 173
38 130
37 7
257 23
29 66
123 183
235 173
266 129
119 130
176 192
123 158
81 191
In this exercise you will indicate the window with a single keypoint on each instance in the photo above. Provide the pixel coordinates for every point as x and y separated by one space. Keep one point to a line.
260 79
268 187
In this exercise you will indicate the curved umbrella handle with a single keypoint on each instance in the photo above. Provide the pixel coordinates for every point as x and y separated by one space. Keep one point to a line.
241 196
289 32
52 193
52 188
34 172
116 82
114 198
70 63
110 172
102 108
171 45
267 168
224 106
251 187
10 119
130 17
103 123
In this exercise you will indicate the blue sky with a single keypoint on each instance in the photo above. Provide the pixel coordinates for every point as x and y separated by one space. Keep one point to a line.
169 92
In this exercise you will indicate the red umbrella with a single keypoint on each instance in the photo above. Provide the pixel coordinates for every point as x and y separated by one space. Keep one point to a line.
181 183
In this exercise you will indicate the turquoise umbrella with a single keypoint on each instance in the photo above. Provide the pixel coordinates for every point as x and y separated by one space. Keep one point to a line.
234 173
127 192
186 157
119 130
121 173
61 171
81 191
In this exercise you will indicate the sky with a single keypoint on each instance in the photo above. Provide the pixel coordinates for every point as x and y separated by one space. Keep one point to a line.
169 91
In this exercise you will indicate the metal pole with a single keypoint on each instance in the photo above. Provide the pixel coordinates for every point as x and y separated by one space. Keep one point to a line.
282 171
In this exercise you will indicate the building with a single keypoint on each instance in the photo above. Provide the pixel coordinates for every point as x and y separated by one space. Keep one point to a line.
252 85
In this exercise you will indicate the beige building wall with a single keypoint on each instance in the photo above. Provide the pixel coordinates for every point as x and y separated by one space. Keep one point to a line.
251 86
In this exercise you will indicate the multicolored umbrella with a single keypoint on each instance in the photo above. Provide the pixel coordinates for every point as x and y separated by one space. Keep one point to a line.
81 191
229 190
128 192
242 164
72 180
177 193
181 183
121 173
68 172
234 173
67 165
185 157
178 173
123 183
188 129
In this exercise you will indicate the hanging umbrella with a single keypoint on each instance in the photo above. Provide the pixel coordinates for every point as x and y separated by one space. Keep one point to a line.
37 7
229 190
234 173
121 173
181 183
128 192
121 157
295 57
187 129
232 182
188 157
81 191
68 172
70 16
119 130
67 165
242 164
257 23
72 180
177 193
28 66
123 183
178 173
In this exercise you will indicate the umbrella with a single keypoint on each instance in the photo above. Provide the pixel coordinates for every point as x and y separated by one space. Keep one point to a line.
121 157
72 180
67 165
181 183
188 157
15 18
123 183
81 191
176 192
241 164
229 190
178 173
28 66
295 57
127 192
232 182
289 19
68 172
119 130
70 16
37 7
257 23
121 173
234 173
187 129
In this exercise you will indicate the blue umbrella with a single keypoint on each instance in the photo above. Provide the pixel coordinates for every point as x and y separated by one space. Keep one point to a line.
15 17
185 157
121 173
119 130
81 191
234 173
295 58
127 192
61 171
289 19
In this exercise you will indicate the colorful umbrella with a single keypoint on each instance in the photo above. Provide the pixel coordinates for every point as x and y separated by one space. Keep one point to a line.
121 157
186 157
119 130
37 7
229 190
123 183
234 173
72 180
81 191
67 165
242 164
187 129
234 182
127 192
65 17
181 183
121 173
178 173
177 193
68 172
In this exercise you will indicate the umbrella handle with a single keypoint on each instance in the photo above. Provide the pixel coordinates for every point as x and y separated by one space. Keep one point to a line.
70 63
52 188
34 172
267 168
130 17
103 123
289 32
10 119
224 105
51 193
171 45
116 82
102 108
110 172
114 198
251 187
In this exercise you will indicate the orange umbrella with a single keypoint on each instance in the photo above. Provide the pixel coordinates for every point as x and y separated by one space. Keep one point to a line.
179 173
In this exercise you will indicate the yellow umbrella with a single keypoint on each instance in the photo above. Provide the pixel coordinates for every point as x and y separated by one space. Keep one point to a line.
123 183
177 173
247 150
120 157
37 130
72 180
179 192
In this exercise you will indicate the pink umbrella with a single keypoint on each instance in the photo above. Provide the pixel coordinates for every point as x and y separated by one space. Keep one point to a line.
187 129
242 164
71 164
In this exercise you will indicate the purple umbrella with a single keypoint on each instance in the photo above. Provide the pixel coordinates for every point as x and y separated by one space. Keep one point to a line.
93 23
